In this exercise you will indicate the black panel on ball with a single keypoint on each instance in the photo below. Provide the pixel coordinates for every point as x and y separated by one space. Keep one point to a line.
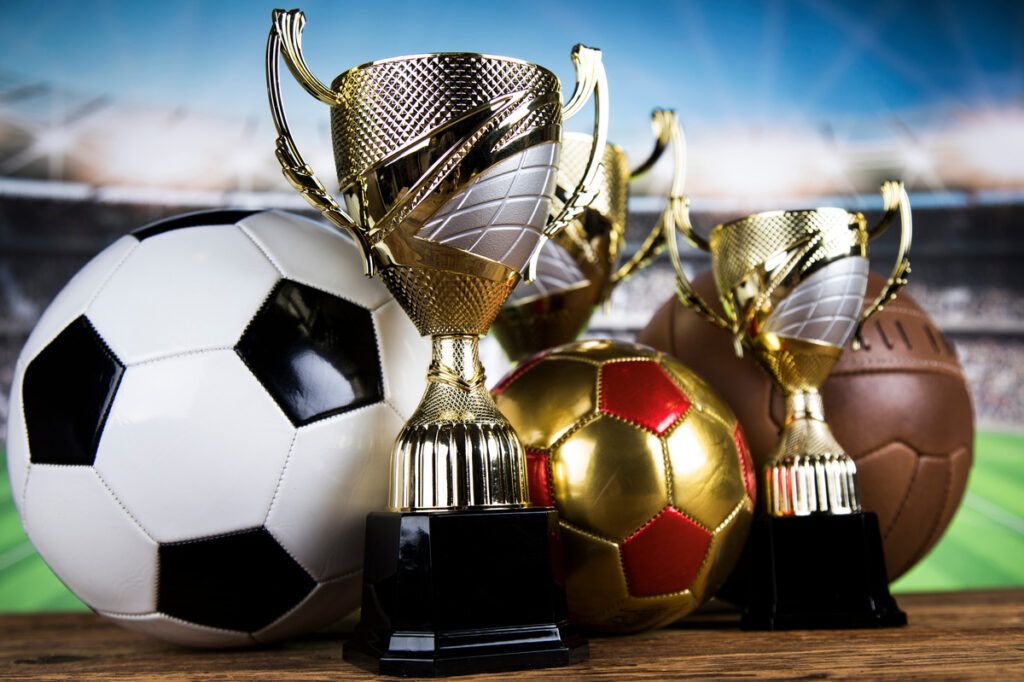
239 581
315 353
66 394
216 217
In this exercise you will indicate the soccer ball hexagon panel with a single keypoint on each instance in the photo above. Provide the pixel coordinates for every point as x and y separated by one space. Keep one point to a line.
203 418
651 480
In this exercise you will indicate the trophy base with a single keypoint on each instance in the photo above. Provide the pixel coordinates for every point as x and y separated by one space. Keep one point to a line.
818 572
459 592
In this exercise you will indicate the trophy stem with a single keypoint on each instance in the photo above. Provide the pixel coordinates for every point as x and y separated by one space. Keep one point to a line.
457 451
809 473
461 576
816 558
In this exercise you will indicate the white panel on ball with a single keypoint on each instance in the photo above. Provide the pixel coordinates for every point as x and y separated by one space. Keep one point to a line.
194 446
336 474
76 295
318 610
405 357
312 253
17 439
181 632
89 540
194 288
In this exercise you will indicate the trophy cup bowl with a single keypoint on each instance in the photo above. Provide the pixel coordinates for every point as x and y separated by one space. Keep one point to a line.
792 286
577 270
446 165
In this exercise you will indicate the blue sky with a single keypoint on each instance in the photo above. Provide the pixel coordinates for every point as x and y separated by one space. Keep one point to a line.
715 62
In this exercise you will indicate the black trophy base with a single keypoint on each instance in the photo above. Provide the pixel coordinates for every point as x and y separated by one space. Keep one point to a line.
459 592
819 572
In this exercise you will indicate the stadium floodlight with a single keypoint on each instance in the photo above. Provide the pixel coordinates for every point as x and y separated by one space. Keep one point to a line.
58 140
917 160
751 164
989 148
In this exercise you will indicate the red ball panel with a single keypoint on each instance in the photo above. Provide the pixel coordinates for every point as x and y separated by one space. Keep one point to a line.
749 478
665 555
539 479
642 392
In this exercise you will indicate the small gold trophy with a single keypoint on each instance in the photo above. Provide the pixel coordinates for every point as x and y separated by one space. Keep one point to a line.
576 271
792 285
446 164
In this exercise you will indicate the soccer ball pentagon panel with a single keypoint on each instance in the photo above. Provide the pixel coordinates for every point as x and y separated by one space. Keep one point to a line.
649 471
202 419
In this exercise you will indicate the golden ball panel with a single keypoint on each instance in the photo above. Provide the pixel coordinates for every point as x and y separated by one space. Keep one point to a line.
643 613
699 392
547 400
594 580
725 550
609 477
602 350
707 477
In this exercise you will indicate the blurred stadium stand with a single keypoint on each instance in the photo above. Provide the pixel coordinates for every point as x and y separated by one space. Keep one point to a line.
77 171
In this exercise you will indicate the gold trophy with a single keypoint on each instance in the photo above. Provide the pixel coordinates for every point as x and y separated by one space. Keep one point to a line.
792 286
446 164
576 271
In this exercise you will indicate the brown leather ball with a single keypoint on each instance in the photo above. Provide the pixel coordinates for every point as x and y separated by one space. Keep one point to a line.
899 406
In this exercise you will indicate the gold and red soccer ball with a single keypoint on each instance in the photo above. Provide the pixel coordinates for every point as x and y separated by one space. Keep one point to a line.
649 471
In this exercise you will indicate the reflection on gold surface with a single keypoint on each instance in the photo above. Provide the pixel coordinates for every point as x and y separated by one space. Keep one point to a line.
610 475
545 406
705 487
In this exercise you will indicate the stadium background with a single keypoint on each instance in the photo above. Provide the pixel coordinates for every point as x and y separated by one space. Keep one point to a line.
113 114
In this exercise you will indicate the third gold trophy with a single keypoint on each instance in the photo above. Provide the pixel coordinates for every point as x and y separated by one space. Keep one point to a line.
792 285
577 271
446 164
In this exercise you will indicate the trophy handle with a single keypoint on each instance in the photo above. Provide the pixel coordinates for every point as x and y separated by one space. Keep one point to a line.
286 31
677 217
895 198
662 122
590 80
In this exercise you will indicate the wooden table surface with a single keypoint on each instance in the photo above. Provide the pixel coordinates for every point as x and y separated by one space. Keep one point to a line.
950 636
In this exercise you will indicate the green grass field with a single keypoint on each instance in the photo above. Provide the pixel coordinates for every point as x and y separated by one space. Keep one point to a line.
983 547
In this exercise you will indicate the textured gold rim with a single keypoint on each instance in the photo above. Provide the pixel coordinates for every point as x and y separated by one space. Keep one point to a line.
434 55
856 219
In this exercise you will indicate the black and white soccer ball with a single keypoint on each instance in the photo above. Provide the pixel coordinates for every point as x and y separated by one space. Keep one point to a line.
202 419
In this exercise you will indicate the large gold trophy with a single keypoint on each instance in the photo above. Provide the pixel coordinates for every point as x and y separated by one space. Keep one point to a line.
446 164
792 284
576 271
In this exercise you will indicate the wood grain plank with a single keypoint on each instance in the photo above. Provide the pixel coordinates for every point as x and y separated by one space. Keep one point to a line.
963 635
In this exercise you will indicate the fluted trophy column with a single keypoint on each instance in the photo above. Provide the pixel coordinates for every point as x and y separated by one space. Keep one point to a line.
446 165
792 285
457 450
